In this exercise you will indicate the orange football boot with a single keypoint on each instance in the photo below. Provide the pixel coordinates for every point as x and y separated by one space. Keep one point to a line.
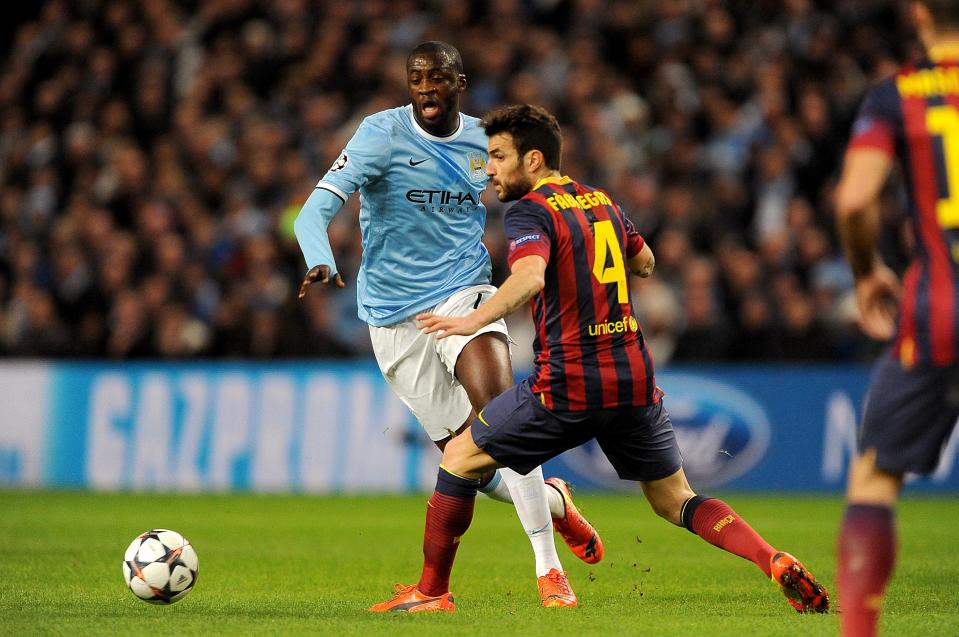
576 531
408 599
801 589
554 590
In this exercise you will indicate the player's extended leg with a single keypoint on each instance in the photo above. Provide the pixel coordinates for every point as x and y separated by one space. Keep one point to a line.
909 415
448 516
493 486
449 513
462 461
716 522
580 536
483 368
867 545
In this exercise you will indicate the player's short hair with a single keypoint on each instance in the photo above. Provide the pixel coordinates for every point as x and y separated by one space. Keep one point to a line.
445 53
531 127
944 12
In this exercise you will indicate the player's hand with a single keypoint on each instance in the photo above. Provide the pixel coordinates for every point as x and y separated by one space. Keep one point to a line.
877 296
444 326
319 273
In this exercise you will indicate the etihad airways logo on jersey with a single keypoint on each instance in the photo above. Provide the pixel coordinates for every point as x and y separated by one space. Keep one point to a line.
442 200
440 197
625 324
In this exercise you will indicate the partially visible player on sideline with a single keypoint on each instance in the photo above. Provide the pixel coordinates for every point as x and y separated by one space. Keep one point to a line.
570 247
420 170
913 401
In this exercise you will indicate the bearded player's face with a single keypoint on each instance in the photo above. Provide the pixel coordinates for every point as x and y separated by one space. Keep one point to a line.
505 168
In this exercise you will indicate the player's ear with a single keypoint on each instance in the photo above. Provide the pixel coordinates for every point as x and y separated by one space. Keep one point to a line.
461 82
920 16
533 160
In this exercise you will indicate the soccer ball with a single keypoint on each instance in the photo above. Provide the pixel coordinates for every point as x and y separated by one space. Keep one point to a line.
160 566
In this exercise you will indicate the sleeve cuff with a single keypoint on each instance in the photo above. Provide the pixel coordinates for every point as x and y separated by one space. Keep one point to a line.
324 185
634 245
526 250
876 137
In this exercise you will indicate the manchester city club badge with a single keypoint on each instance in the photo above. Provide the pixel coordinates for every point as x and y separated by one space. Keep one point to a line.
477 165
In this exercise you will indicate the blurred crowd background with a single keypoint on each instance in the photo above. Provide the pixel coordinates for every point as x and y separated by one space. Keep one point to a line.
154 154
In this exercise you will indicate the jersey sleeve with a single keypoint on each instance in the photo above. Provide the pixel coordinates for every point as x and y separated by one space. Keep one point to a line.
878 119
528 229
310 228
634 241
364 160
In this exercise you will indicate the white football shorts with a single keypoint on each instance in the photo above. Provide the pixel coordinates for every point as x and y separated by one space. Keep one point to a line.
421 369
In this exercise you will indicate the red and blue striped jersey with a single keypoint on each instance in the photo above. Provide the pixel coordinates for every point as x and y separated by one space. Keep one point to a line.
589 348
914 116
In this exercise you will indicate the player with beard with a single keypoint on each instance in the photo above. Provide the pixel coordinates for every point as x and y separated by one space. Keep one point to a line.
570 246
420 170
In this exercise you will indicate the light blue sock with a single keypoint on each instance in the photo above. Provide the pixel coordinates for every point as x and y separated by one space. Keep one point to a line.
497 490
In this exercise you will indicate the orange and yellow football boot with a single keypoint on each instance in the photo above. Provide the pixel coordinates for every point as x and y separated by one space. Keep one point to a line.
801 589
576 531
555 591
408 599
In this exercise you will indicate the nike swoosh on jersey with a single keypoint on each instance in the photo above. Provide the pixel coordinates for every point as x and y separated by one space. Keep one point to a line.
417 163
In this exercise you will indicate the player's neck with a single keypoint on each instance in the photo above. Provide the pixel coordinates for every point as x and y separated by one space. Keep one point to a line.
944 46
443 128
544 175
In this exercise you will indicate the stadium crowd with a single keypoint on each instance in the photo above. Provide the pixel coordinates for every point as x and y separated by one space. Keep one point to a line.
153 157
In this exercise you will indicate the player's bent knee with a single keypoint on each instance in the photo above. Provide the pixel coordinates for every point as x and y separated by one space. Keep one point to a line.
463 458
667 496
870 485
484 369
668 509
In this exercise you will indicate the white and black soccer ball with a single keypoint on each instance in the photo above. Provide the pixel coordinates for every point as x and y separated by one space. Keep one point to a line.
160 566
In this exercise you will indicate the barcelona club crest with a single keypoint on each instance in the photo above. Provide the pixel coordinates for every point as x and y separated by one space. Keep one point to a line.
477 165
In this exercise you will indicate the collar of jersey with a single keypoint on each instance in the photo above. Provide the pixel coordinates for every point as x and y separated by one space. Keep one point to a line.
942 52
559 181
433 138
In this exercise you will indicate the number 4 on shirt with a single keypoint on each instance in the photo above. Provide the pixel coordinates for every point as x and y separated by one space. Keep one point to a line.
944 122
607 245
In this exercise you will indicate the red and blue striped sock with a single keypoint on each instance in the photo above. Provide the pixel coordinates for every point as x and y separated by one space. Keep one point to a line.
449 513
867 554
717 523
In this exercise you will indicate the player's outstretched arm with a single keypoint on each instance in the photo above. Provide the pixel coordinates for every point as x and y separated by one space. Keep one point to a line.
526 279
857 219
643 262
310 228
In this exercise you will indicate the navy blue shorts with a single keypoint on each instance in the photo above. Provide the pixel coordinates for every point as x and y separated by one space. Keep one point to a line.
909 415
518 431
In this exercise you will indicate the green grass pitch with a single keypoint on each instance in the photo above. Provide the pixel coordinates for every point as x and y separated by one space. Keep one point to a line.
290 565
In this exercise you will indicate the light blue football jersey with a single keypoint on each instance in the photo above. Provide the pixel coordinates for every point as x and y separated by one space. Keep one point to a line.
421 218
